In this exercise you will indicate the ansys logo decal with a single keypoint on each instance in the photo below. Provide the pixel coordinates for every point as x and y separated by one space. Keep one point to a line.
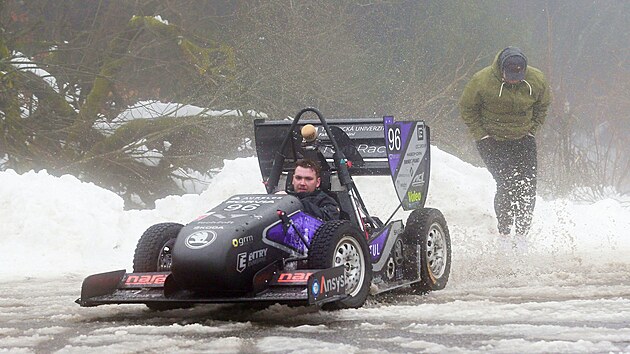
200 239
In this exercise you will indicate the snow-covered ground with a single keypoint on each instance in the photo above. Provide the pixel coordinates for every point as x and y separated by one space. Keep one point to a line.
570 293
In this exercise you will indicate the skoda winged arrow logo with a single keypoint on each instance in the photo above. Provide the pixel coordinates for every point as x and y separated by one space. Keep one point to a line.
200 239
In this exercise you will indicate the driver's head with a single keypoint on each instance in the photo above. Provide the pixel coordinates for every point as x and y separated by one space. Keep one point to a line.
306 176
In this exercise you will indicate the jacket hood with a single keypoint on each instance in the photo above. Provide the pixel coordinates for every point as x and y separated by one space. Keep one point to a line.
499 59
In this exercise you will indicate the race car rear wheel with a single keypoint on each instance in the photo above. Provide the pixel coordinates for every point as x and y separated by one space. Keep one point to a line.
427 229
339 243
153 254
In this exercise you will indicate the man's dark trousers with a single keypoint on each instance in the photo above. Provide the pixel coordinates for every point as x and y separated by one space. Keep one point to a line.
513 165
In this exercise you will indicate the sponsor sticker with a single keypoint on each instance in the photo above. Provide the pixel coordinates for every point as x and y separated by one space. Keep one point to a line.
241 262
257 198
293 278
134 280
208 227
315 288
216 222
420 130
332 284
221 216
249 259
418 180
200 239
414 196
327 283
237 242
368 149
375 250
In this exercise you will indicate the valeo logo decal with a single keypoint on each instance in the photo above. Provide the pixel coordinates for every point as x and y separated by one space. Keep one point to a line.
200 239
414 196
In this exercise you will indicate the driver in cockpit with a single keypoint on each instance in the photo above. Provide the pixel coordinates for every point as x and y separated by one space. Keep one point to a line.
306 182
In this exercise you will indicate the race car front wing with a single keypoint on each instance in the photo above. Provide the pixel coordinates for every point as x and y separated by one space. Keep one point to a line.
271 285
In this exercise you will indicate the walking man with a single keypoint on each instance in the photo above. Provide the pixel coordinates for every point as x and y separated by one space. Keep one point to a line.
504 105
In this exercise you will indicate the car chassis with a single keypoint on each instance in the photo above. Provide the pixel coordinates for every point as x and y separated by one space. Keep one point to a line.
264 248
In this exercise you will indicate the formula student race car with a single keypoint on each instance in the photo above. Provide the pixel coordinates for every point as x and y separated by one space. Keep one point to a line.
264 248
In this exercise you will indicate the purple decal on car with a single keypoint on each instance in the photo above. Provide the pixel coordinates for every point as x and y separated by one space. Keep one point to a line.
306 224
376 244
396 138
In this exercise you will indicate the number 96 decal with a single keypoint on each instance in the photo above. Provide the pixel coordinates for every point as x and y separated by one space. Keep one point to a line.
241 207
393 138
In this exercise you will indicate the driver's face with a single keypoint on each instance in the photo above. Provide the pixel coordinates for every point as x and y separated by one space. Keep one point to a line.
305 180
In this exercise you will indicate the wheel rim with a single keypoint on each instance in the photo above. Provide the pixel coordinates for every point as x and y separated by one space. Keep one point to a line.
165 258
436 253
348 254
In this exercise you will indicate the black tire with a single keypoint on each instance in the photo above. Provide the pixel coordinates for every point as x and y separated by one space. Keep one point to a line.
337 239
153 249
153 254
427 228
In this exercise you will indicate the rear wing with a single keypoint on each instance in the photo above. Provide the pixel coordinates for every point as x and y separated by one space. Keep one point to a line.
365 134
375 146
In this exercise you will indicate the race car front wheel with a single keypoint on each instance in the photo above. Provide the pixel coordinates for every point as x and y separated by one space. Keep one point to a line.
338 243
427 229
153 254
153 251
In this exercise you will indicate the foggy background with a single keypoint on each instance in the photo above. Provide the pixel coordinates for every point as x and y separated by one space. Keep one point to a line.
71 70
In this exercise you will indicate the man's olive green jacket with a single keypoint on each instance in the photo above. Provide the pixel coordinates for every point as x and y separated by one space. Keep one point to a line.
491 107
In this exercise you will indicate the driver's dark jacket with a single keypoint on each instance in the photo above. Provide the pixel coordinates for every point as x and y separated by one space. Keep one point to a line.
319 204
